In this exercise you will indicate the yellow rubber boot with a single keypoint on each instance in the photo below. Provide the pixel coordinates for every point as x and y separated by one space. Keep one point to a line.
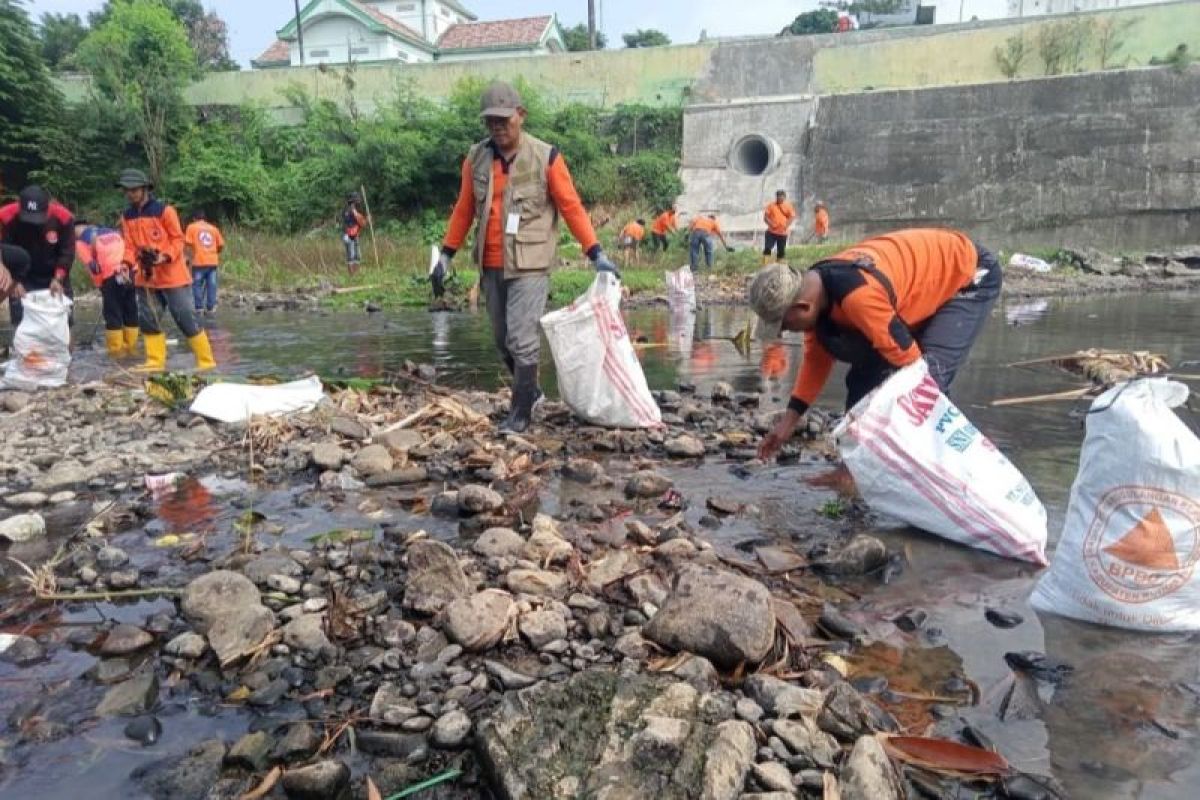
156 353
130 334
203 351
114 343
766 260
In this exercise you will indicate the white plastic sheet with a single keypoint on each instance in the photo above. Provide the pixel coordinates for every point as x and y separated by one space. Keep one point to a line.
599 376
237 402
1131 540
681 289
41 347
915 455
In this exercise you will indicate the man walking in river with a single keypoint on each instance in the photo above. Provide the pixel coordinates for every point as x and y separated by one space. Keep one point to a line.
879 305
516 187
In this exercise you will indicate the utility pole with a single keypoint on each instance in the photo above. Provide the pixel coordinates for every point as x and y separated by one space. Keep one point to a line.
299 32
591 24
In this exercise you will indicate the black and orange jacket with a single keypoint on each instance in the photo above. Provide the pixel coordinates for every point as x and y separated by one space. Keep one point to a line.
155 225
562 191
51 246
925 267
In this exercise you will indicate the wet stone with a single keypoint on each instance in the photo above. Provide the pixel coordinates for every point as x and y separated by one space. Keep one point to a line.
1003 619
647 484
435 577
476 499
324 780
684 446
509 678
124 579
186 645
390 744
144 730
847 715
250 752
860 555
26 500
350 428
404 476
328 455
135 696
108 671
109 558
23 651
124 640
300 742
189 778
869 774
911 620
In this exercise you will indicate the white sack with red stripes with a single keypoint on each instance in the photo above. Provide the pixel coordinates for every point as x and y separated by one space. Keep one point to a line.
599 376
1131 539
916 456
681 289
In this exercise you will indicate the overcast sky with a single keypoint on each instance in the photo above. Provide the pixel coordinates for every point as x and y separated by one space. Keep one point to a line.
252 23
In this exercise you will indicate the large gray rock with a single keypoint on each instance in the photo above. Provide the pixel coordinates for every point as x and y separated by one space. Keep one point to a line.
715 613
226 607
539 582
782 699
498 542
629 737
134 696
869 774
729 758
23 527
328 455
809 744
476 499
435 578
306 633
188 778
478 622
684 446
373 459
542 627
860 555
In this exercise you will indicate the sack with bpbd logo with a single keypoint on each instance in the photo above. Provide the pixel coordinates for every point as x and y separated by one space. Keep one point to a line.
1131 540
916 457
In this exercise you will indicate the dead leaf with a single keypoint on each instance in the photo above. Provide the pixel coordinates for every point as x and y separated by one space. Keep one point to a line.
268 783
944 756
667 664
373 790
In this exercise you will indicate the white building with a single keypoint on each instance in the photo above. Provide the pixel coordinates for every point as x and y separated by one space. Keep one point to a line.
950 11
410 31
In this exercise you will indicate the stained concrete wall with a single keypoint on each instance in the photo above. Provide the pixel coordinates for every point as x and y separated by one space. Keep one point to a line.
1108 159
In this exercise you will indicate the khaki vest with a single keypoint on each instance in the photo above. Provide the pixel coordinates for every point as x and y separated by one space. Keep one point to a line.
527 193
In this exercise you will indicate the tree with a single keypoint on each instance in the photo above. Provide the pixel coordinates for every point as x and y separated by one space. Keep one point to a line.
1010 57
32 105
60 36
140 60
576 39
646 38
1111 37
821 21
207 33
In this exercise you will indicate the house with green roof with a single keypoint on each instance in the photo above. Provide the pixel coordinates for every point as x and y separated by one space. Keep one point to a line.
406 31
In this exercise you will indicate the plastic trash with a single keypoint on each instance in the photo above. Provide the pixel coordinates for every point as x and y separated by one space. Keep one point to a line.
1031 263
41 346
237 402
157 484
1131 538
915 456
681 289
599 376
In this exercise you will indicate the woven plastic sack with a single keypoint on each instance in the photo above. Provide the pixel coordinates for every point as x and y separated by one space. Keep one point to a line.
915 456
599 376
681 289
41 346
1131 540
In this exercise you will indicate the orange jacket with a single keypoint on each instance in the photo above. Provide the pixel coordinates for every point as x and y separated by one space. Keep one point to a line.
206 242
156 225
562 192
101 251
633 231
778 217
706 225
664 223
821 222
926 267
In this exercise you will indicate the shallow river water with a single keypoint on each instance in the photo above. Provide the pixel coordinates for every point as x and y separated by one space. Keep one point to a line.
1125 725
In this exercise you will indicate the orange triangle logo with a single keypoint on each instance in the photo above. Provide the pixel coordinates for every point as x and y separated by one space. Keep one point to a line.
1148 544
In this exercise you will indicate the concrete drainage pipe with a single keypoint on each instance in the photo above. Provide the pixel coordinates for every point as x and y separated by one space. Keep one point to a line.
754 155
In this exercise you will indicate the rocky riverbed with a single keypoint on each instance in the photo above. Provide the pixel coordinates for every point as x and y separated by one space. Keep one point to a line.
606 650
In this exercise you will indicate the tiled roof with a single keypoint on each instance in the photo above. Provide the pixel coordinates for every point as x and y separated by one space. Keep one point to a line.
395 26
501 33
278 53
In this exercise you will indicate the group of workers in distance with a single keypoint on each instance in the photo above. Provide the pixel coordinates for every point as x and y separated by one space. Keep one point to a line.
149 267
878 305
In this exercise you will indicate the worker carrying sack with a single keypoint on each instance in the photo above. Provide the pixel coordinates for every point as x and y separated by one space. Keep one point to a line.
599 376
916 457
1131 539
681 289
41 346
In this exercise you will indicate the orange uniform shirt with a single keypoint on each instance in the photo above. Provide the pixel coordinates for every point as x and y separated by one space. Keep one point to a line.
206 242
926 267
156 225
706 225
778 217
562 192
664 223
633 231
821 222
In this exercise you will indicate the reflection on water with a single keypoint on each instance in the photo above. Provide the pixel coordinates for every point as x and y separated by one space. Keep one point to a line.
1123 726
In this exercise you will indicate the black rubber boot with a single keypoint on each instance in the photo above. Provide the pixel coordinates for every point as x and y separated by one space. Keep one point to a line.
525 393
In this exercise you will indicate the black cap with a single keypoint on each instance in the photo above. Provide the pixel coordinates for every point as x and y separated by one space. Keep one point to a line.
35 205
133 179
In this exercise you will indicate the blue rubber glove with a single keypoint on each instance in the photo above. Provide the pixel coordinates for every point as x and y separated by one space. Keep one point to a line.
603 263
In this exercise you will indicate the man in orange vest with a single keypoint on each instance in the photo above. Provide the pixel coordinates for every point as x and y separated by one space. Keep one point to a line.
664 223
820 222
352 224
779 216
879 305
630 240
703 228
154 255
205 243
